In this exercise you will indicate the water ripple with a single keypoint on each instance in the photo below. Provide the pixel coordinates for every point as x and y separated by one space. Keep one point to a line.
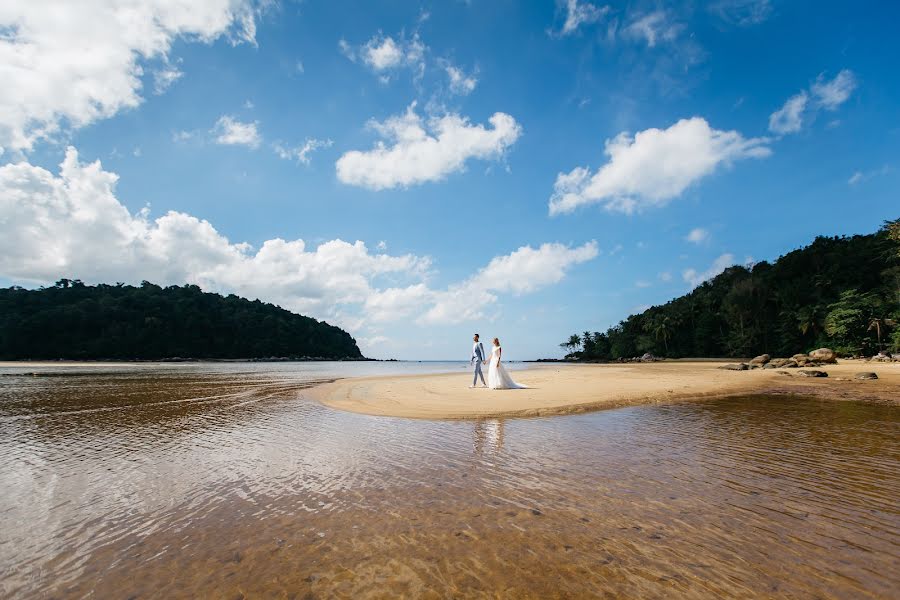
214 480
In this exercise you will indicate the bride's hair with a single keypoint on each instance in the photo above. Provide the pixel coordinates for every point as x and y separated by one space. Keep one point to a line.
496 341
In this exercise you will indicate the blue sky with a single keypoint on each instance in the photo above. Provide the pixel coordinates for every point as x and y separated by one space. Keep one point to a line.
415 171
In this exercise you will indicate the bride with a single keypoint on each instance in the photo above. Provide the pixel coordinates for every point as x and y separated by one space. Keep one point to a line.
498 378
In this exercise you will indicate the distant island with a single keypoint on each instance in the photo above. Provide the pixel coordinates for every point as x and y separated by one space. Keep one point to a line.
74 321
839 292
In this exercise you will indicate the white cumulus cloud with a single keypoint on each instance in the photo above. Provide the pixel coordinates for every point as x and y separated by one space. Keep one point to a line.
418 151
164 78
384 54
823 94
653 166
68 64
231 132
523 271
71 224
695 278
698 235
460 83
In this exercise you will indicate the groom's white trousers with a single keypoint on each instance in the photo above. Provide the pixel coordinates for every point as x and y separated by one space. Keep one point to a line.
477 374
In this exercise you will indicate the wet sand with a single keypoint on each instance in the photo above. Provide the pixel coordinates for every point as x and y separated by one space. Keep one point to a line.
566 389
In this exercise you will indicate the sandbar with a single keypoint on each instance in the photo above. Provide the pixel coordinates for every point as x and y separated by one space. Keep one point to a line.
558 389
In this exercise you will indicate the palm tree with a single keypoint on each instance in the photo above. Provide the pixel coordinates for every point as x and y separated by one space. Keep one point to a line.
876 324
574 342
661 327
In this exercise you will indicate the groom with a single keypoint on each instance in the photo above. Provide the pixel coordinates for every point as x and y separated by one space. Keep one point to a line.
477 359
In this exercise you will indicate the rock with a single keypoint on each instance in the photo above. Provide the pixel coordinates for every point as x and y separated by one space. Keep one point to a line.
781 363
811 373
825 355
799 357
735 367
866 375
771 365
760 360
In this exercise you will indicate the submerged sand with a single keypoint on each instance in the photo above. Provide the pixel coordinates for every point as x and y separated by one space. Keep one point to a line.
566 388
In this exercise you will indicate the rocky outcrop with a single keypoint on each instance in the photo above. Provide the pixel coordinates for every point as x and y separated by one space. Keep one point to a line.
736 367
825 355
760 360
782 363
866 375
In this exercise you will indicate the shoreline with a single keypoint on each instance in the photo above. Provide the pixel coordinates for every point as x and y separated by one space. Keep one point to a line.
570 389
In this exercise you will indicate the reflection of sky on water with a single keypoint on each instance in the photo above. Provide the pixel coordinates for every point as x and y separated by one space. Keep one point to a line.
88 460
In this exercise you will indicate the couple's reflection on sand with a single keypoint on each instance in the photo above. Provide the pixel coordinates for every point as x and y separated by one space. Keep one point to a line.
488 436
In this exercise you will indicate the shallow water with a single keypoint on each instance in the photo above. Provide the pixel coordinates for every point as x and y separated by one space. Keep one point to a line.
222 480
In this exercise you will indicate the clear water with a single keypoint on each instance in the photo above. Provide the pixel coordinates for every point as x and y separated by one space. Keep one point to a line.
223 480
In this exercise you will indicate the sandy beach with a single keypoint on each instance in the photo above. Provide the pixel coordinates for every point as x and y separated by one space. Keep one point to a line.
559 389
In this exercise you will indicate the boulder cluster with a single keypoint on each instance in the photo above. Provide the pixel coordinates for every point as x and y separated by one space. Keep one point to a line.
816 358
647 357
802 362
884 357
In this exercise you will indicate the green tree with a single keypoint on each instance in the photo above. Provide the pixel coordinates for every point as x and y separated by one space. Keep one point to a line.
794 304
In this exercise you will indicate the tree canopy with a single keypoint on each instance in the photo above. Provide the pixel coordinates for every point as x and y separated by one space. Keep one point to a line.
72 320
840 292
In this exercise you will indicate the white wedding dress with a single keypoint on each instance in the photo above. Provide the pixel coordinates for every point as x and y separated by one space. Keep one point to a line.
498 378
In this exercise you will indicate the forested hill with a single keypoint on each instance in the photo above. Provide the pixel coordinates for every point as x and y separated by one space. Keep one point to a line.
75 321
839 292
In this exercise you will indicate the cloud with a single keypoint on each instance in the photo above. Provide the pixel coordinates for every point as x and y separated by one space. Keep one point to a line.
183 136
383 54
231 132
164 78
71 224
697 235
825 94
524 271
653 27
860 176
831 94
460 83
417 152
578 14
642 284
695 278
742 12
301 154
665 276
51 83
789 118
652 167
